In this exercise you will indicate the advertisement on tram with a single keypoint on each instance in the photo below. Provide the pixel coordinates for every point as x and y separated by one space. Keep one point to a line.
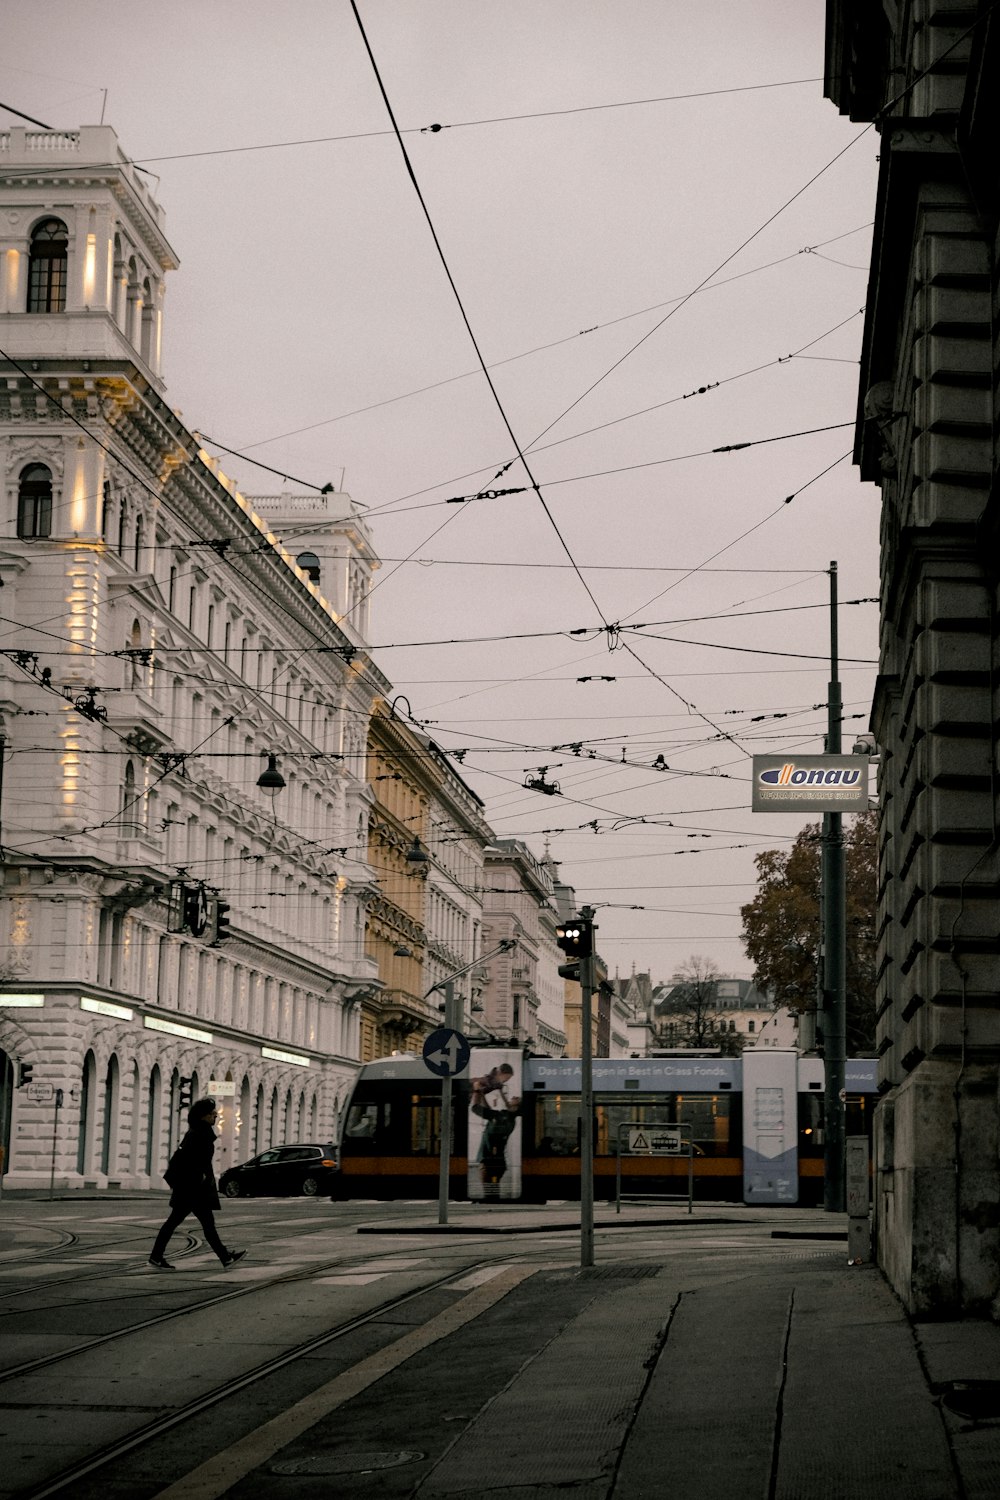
495 1084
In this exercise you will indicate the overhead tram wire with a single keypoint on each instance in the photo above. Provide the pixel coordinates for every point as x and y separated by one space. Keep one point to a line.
362 135
527 353
387 506
743 534
258 693
882 114
461 307
703 283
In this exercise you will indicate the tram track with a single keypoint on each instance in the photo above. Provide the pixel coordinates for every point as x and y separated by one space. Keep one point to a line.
168 1422
288 1278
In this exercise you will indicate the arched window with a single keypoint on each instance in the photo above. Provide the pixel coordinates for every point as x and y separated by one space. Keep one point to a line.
309 563
84 1141
148 328
153 1107
109 1130
34 502
134 667
133 303
137 552
47 262
121 281
131 815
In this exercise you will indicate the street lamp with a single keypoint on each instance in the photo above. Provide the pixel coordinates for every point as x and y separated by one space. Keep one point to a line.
271 781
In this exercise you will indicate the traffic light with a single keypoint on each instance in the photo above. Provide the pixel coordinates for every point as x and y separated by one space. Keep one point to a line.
576 937
24 1073
195 909
185 1094
222 930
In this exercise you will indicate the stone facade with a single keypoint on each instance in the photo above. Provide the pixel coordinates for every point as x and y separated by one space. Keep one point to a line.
929 75
166 643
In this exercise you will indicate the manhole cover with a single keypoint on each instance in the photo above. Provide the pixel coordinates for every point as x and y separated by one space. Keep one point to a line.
976 1400
345 1463
619 1273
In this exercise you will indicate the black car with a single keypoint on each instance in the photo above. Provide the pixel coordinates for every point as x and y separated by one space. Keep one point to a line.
284 1169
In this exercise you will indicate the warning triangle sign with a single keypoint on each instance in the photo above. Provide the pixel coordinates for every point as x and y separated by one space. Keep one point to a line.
639 1141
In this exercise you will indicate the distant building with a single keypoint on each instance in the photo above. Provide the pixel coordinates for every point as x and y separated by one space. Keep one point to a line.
728 1013
518 888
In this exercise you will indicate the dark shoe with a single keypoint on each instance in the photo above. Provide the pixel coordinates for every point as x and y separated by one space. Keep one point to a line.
233 1257
160 1263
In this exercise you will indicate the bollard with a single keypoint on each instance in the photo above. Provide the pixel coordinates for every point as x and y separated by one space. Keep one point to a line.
859 1239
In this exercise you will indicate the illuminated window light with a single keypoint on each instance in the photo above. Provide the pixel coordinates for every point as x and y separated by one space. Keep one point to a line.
289 1057
193 1035
89 269
105 1008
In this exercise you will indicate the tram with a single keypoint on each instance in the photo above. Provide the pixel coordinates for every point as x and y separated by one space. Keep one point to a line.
754 1125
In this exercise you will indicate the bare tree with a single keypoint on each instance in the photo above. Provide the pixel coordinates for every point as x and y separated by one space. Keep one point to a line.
690 1014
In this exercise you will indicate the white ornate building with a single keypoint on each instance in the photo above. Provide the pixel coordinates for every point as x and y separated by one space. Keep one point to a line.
158 645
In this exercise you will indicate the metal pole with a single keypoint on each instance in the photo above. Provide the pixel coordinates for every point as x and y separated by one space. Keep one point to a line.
834 941
55 1133
586 1101
5 1067
444 1166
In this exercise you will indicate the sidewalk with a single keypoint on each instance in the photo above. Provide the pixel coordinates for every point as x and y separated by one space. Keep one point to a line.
805 1381
790 1376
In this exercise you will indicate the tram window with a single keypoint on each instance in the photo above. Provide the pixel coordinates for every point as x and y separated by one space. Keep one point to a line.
857 1115
610 1116
362 1121
557 1125
425 1125
708 1117
811 1124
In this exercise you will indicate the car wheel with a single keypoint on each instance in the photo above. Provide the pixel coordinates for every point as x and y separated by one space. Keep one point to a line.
310 1186
232 1189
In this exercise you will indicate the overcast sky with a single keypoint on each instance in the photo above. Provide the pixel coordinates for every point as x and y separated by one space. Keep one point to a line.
597 163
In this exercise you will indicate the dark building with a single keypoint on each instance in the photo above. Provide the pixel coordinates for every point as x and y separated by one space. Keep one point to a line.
927 74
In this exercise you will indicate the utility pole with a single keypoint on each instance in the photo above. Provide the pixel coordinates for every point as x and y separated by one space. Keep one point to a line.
834 959
576 939
451 1021
587 1091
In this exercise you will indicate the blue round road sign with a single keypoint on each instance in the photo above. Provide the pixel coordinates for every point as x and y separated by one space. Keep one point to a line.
446 1051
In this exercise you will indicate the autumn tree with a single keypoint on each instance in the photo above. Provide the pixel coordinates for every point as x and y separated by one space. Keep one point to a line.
781 925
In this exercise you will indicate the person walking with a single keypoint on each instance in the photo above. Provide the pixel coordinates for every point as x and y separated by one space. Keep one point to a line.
194 1189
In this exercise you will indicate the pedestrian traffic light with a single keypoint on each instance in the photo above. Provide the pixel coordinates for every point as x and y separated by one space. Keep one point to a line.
24 1073
185 1094
222 930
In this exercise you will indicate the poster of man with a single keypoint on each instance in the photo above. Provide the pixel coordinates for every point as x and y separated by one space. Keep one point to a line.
495 1124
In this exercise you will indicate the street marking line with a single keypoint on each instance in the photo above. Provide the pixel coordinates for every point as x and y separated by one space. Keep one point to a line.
219 1473
479 1278
358 1278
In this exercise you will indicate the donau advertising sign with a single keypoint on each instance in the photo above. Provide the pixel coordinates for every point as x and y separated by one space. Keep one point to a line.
810 783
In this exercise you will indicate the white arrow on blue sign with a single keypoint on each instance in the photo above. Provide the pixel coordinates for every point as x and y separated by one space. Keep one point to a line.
446 1052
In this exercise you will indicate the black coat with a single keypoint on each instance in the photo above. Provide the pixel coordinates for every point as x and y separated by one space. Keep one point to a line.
195 1185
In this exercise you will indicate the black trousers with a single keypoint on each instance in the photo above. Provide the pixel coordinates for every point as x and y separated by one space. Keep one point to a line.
205 1218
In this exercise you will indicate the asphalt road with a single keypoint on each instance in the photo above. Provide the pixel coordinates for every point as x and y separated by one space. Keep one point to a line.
364 1350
